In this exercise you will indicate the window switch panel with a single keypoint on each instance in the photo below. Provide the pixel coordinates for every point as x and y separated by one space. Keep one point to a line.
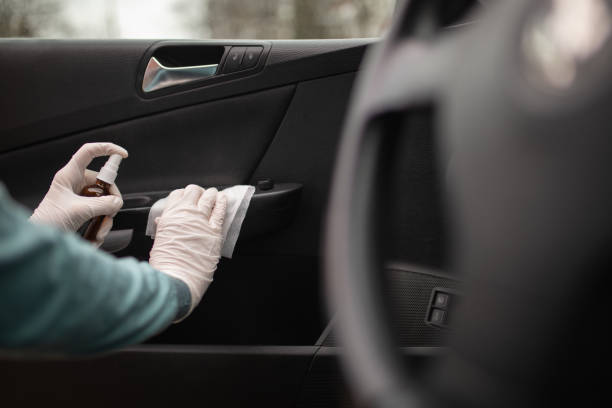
438 310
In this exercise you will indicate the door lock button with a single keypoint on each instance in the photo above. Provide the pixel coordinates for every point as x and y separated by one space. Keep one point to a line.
234 60
439 308
441 300
251 57
438 317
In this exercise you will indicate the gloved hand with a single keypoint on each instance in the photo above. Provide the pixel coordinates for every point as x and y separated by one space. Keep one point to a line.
188 241
64 208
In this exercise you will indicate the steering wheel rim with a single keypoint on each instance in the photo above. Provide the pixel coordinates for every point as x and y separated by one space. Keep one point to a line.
378 377
372 363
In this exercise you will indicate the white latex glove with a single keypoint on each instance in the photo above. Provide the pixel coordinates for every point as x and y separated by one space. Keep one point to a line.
188 241
65 209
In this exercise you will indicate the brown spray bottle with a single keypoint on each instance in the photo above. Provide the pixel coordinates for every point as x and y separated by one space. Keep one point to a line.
105 179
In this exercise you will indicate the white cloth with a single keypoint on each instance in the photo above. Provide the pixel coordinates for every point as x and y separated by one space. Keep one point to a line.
238 200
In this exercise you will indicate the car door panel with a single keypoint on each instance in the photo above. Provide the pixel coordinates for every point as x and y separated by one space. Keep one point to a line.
251 340
315 131
56 87
215 143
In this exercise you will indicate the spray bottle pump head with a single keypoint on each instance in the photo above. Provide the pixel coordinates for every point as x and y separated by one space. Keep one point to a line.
108 173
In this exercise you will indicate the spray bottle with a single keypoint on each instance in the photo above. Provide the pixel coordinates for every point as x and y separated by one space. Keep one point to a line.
104 181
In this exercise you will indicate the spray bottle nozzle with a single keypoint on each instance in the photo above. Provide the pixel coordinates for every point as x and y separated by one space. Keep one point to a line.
108 173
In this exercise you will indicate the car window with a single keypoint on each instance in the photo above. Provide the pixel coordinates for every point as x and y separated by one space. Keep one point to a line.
253 19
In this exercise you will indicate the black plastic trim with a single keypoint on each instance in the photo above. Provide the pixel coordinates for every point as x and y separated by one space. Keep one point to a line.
172 376
288 62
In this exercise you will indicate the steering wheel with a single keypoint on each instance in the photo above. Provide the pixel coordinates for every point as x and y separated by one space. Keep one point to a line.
521 99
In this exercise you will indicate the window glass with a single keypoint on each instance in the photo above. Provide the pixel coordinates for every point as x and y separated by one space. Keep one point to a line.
253 19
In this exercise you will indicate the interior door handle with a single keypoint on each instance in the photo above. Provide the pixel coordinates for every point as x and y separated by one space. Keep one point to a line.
158 76
270 211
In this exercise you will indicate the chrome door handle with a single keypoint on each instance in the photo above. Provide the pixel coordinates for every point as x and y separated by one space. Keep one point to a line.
158 76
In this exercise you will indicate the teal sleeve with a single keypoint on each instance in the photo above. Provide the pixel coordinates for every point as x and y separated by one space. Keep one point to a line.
58 294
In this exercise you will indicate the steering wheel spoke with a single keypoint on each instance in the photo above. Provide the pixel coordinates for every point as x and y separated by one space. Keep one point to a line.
411 73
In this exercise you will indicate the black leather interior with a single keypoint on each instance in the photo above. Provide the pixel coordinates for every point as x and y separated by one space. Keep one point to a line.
263 314
211 144
56 87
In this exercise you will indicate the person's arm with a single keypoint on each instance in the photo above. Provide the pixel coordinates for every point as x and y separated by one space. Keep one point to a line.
59 294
